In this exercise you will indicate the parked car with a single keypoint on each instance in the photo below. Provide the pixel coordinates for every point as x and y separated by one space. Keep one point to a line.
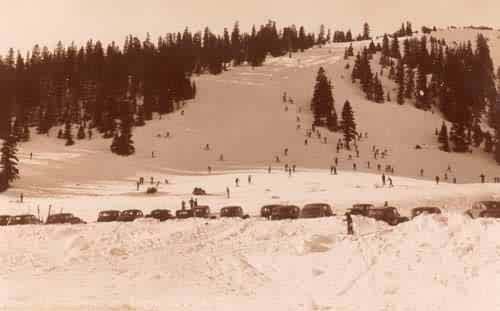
316 210
484 209
130 215
233 211
63 218
267 210
424 210
108 216
361 209
23 220
4 220
184 213
161 214
285 212
202 211
389 215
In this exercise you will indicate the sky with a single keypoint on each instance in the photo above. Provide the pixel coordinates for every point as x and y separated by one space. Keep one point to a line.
45 22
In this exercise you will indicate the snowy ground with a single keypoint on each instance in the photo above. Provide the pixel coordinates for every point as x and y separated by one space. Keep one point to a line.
445 262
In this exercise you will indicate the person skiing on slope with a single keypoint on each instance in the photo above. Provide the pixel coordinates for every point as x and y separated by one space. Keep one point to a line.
437 180
421 172
249 179
350 229
227 192
482 178
237 182
383 179
390 182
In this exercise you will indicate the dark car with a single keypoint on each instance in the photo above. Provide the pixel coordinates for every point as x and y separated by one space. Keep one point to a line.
361 209
184 213
424 210
285 212
4 220
389 215
233 211
108 216
479 209
63 218
23 220
267 210
491 213
130 215
161 214
316 210
202 211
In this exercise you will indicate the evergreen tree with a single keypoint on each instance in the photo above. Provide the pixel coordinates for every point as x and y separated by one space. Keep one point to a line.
123 144
477 134
458 137
366 32
81 132
395 51
9 162
488 142
322 101
332 122
348 124
443 139
400 74
378 90
68 135
410 83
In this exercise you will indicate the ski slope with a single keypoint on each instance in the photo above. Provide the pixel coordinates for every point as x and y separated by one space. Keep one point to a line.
446 262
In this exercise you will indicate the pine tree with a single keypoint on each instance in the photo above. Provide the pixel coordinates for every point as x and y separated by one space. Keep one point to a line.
322 101
410 83
123 144
9 162
395 52
348 124
81 132
140 117
443 139
400 82
488 142
458 137
68 135
332 122
378 90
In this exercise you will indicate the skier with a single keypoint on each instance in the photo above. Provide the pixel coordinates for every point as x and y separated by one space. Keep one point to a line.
386 204
182 112
157 184
152 154
383 179
209 169
90 134
31 155
331 169
350 157
350 230
354 166
368 164
445 176
454 180
336 161
166 181
183 205
138 184
141 180
289 172
21 197
249 179
305 142
357 153
284 97
277 159
168 135
390 182
221 157
449 168
227 192
207 147
237 182
437 180
482 178
293 168
195 203
269 169
325 140
152 180
286 151
286 167
421 172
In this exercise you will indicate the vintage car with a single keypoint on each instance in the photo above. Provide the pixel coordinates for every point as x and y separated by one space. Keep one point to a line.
130 215
316 210
161 214
484 209
388 214
360 209
424 210
184 213
4 220
202 211
285 212
108 216
63 218
23 220
233 211
267 210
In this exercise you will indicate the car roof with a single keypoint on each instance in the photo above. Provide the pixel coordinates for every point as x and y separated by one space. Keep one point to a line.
316 205
132 210
110 211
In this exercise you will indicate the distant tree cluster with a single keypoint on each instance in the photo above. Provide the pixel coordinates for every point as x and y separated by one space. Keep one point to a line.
405 30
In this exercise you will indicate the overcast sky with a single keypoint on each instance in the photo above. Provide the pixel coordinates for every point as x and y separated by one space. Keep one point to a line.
45 22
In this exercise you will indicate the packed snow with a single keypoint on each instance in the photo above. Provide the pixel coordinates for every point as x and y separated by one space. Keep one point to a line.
434 262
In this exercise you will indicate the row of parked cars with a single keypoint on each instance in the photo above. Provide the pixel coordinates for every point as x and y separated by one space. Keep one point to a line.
388 214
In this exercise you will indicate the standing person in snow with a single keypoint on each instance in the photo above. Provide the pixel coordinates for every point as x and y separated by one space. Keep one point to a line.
289 172
269 169
379 167
286 152
191 203
454 180
390 182
221 157
437 180
209 169
421 172
357 153
182 112
383 179
449 168
286 168
183 205
445 176
90 134
138 184
141 180
152 179
338 148
157 184
277 159
228 192
336 161
152 154
482 178
350 229
354 166
31 155
166 181
284 97
195 203
325 140
331 169
386 204
368 164
249 179
207 147
305 142
21 197
237 182
293 168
